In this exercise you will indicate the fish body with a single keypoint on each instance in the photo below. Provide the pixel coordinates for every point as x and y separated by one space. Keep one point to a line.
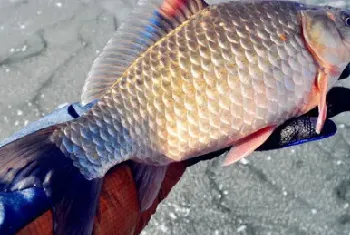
201 78
228 71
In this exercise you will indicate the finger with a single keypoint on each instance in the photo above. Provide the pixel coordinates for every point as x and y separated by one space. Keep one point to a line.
297 131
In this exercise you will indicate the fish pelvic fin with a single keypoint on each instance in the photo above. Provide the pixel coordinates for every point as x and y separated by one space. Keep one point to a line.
247 145
35 161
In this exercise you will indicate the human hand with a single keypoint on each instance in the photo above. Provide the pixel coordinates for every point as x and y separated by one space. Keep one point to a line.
119 211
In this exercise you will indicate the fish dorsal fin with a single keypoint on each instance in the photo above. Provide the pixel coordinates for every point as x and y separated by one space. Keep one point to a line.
148 23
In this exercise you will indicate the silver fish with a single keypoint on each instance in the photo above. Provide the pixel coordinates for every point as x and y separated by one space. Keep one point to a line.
181 79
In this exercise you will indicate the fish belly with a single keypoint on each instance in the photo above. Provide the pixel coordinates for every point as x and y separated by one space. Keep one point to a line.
229 71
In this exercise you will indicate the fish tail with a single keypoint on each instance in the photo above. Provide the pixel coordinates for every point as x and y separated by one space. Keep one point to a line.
35 161
27 161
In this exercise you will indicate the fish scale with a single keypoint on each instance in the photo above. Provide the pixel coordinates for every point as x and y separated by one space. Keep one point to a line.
218 77
180 79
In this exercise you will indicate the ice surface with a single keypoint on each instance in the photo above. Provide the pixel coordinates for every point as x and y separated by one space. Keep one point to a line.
46 50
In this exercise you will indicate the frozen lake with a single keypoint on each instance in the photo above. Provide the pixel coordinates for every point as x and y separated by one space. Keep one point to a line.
46 50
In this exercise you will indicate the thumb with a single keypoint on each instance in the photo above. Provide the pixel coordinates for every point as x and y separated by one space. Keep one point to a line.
298 131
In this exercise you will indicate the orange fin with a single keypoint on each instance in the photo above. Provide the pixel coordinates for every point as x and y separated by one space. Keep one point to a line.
248 145
322 83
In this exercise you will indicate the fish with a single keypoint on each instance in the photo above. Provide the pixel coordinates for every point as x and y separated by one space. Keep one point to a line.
180 79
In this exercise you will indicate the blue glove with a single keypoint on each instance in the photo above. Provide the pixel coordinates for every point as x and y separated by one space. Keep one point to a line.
21 207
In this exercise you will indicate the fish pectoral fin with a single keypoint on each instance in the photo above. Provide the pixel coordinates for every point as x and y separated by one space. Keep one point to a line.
247 145
148 180
321 84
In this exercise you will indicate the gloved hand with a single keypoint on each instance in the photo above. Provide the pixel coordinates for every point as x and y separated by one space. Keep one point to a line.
118 212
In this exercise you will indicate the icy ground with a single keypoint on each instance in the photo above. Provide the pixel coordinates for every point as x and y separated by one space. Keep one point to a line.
46 50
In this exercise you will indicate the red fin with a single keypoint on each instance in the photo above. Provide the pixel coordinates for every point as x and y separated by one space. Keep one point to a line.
248 145
322 82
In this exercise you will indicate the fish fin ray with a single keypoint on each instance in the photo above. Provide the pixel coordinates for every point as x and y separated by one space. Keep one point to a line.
247 145
322 83
150 21
26 161
148 181
35 161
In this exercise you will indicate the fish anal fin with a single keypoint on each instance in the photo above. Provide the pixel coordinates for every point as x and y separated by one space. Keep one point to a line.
322 89
150 21
247 145
148 181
